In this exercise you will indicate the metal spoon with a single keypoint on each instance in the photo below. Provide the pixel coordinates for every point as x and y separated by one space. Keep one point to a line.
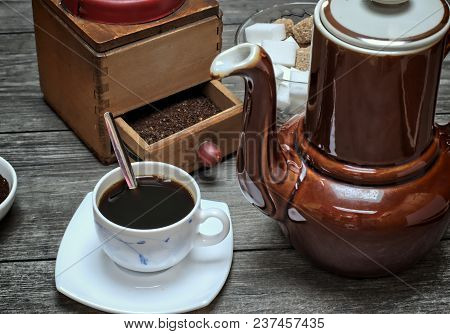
119 150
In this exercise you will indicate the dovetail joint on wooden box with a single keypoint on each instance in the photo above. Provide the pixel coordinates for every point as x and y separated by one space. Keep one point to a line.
101 88
219 35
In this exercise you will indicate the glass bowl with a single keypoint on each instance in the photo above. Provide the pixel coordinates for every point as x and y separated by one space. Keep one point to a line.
296 11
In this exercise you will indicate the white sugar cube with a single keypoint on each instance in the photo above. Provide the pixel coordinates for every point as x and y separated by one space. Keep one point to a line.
292 40
298 94
299 76
283 96
299 87
278 71
281 52
282 72
258 32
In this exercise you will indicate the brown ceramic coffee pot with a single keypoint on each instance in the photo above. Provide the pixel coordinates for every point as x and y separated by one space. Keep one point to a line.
361 182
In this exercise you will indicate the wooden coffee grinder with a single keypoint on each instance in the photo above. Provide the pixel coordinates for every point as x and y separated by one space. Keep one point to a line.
110 55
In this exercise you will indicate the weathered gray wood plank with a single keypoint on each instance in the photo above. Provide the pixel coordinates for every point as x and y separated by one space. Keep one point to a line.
15 16
278 281
443 119
22 107
18 65
28 114
284 282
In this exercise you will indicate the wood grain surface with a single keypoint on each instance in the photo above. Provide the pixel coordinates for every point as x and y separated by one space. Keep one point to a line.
56 171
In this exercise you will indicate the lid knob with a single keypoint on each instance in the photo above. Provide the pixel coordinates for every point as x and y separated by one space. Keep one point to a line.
390 2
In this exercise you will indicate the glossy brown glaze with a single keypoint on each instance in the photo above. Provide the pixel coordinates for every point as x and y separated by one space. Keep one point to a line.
367 231
351 228
372 110
366 175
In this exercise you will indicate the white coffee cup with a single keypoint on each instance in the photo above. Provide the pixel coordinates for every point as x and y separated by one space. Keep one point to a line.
161 248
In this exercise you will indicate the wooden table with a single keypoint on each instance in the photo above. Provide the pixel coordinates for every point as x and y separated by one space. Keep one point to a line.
56 170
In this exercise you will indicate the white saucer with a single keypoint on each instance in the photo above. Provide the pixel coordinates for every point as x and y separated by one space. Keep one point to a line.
84 273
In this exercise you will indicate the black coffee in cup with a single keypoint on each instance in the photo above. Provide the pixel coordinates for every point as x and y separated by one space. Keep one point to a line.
156 203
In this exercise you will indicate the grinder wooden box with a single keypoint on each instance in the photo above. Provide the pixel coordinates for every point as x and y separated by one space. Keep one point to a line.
180 149
88 68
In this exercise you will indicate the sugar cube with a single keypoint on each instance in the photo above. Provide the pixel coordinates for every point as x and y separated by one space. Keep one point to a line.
292 40
258 32
299 76
303 31
298 94
282 72
288 23
303 58
283 53
299 87
278 71
283 96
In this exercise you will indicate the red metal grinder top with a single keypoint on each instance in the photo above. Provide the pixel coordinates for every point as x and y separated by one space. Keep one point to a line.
122 11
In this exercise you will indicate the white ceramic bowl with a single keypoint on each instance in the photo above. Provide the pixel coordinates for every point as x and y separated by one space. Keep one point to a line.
8 172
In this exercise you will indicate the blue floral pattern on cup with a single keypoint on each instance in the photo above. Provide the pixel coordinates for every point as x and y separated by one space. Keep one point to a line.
144 260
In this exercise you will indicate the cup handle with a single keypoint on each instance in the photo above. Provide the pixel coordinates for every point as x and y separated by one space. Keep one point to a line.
204 240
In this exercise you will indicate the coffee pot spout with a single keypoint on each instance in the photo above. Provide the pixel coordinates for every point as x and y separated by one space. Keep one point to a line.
262 166
235 61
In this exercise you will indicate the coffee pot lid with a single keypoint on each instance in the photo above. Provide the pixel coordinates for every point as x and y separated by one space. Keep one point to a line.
121 11
386 25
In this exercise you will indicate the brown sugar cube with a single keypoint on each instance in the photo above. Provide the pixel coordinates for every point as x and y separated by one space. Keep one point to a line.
303 59
289 24
302 31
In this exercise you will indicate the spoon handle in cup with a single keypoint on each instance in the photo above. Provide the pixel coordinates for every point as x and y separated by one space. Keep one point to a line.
119 149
